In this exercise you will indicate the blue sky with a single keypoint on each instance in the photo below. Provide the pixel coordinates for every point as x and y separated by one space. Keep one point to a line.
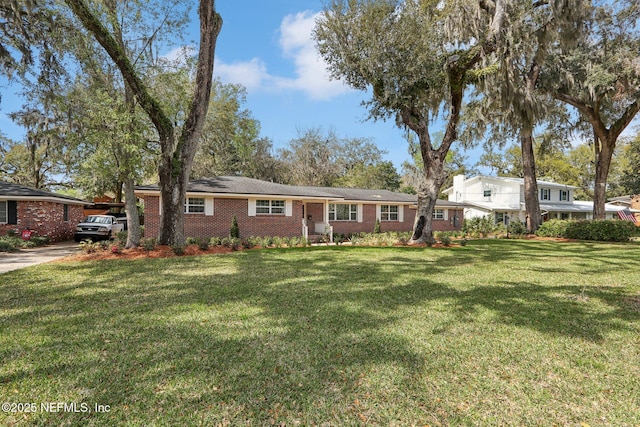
266 46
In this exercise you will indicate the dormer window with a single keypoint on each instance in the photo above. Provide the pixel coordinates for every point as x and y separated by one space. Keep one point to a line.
545 194
487 193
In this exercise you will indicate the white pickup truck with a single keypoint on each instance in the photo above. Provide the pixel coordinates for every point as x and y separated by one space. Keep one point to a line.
97 227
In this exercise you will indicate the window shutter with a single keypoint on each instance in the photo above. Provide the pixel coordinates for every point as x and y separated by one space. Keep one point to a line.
208 206
359 212
445 214
12 212
252 207
288 208
160 205
400 213
379 212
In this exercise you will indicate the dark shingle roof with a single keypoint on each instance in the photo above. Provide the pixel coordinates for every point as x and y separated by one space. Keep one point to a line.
250 186
17 192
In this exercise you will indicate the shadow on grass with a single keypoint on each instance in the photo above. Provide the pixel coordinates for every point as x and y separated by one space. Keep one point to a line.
244 336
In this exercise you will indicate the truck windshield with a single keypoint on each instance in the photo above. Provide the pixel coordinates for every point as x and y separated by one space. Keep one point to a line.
99 219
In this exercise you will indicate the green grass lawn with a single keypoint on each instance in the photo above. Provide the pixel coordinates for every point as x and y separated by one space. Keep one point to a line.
499 332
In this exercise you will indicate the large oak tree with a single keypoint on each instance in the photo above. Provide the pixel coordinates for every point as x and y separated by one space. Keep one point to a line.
416 58
178 145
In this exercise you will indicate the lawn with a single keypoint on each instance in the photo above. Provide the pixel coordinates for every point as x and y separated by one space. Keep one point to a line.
499 332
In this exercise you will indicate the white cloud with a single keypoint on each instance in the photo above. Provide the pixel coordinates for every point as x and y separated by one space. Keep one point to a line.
297 44
252 75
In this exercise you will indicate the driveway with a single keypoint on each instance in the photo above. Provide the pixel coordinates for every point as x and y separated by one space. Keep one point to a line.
33 256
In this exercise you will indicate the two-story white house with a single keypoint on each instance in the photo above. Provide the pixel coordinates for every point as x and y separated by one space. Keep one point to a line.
503 198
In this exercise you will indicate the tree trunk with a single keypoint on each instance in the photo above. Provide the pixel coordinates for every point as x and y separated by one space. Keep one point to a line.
176 161
531 201
133 218
427 196
604 153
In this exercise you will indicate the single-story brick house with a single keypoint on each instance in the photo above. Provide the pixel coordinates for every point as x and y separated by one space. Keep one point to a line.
268 209
42 212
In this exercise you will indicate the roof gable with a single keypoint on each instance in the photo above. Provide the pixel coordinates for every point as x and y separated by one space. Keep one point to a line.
12 191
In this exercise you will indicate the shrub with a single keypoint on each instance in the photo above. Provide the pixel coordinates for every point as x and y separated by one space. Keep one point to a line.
192 241
116 249
215 241
598 230
40 240
89 247
445 238
121 238
177 249
203 245
234 232
7 246
553 228
517 228
376 227
601 230
148 244
479 226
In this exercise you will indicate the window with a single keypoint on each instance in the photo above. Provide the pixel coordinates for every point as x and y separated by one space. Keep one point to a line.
438 214
194 205
487 193
564 196
65 213
500 218
388 213
3 211
270 207
545 194
343 212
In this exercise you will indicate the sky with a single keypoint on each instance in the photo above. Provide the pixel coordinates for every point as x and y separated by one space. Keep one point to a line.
267 47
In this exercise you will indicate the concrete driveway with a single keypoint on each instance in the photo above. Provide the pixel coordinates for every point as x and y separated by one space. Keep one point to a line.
28 257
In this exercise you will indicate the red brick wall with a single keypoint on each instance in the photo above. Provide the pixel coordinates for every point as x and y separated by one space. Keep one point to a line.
218 225
46 219
202 226
369 221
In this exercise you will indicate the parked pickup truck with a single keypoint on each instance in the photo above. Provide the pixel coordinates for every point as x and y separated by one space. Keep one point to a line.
97 227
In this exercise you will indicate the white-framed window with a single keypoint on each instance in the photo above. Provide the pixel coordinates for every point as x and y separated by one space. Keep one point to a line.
500 218
194 205
545 194
564 196
438 214
389 213
343 212
270 207
3 212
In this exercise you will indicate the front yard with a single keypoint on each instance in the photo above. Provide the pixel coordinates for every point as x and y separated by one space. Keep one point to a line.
499 332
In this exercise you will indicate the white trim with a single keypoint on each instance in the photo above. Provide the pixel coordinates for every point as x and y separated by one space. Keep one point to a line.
400 213
288 208
359 212
446 214
379 212
252 207
44 199
208 206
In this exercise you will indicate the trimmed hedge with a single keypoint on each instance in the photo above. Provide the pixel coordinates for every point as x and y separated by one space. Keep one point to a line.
598 230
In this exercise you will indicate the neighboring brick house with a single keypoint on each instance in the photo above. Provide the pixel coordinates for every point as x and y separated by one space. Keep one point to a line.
268 209
42 212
